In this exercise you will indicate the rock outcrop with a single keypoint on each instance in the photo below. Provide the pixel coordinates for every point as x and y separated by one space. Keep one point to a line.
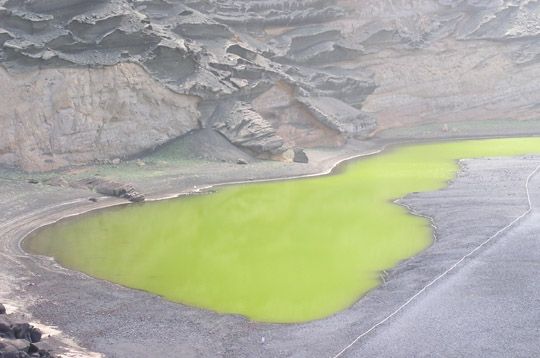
18 339
110 188
99 80
445 61
244 127
339 116
105 79
54 117
300 156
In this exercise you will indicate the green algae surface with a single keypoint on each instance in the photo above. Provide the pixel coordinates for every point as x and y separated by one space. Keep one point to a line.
289 251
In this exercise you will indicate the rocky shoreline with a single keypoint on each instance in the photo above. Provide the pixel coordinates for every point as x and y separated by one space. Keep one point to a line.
135 321
109 102
19 339
67 199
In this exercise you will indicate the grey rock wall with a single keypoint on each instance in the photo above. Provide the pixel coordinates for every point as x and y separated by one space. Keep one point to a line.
445 61
269 75
54 117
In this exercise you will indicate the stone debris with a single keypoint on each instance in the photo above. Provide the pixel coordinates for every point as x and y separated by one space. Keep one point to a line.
18 339
300 156
110 188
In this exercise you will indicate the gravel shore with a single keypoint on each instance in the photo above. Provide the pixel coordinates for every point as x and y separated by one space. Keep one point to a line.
85 315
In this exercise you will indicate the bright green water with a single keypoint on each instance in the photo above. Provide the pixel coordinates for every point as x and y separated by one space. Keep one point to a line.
279 252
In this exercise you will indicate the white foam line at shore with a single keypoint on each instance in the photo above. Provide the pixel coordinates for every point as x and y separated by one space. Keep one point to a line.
180 194
453 267
266 180
6 226
210 186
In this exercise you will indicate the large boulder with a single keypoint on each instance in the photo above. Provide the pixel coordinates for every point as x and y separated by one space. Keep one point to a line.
17 339
111 188
246 128
300 156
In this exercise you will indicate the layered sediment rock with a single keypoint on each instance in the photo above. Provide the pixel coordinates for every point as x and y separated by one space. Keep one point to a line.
244 127
445 61
192 48
90 80
111 188
54 117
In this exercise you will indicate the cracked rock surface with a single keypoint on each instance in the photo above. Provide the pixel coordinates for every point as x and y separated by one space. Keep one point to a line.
88 81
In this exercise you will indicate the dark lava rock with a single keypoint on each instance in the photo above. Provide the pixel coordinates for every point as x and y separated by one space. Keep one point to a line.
244 127
13 346
5 329
300 156
33 181
2 309
35 352
35 335
26 331
111 188
126 191
17 340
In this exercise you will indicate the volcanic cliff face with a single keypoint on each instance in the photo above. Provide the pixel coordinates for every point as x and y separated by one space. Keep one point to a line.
58 116
91 80
444 61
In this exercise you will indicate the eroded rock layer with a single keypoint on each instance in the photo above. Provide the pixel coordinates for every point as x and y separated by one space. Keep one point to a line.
53 117
94 80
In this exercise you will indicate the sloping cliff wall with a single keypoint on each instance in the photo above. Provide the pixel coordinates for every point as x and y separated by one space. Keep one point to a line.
53 117
91 80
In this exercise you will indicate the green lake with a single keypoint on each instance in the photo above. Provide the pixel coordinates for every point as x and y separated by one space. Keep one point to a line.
288 251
